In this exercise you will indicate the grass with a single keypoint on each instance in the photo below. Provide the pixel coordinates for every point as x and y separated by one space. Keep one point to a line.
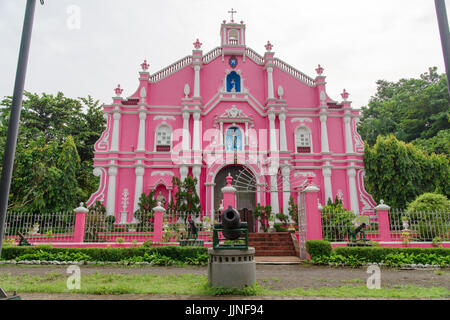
191 284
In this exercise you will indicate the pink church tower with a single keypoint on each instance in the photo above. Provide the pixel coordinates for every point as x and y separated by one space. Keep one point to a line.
230 111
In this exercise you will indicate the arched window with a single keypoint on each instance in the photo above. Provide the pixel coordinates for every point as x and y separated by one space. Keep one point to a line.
233 139
303 140
233 82
163 139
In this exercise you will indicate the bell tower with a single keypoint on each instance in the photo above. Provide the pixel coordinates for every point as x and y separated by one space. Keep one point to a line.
232 34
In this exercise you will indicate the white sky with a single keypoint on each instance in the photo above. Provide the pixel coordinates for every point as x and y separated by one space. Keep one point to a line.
357 41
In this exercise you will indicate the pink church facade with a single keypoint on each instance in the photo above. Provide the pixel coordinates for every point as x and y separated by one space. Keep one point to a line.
234 111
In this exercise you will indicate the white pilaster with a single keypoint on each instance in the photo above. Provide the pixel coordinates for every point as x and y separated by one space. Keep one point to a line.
183 172
324 133
111 198
139 186
272 133
286 190
326 172
196 170
196 135
270 92
348 134
274 194
141 135
351 173
197 81
186 135
283 140
116 128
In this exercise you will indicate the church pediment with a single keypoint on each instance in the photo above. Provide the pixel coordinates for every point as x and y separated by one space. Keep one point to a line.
233 114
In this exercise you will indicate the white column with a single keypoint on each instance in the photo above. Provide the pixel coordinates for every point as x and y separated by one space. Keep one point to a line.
186 134
115 134
184 172
272 133
212 203
348 135
270 94
324 133
274 194
197 81
138 187
286 190
351 173
196 134
196 170
111 198
283 141
141 136
326 172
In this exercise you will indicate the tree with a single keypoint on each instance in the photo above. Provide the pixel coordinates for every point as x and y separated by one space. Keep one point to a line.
398 172
45 125
409 109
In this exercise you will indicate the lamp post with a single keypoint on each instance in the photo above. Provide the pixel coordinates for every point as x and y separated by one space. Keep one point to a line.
13 127
441 12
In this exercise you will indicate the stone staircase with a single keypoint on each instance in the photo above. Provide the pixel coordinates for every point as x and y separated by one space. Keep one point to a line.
275 244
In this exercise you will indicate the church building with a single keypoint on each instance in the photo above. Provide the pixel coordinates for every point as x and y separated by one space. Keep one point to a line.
230 111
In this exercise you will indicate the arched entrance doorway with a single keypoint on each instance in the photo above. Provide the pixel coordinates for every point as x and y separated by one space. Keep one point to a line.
245 197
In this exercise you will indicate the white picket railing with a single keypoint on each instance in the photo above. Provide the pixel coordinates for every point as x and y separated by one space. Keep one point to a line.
210 56
253 55
294 72
174 67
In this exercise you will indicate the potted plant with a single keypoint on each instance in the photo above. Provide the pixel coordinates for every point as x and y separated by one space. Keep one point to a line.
405 222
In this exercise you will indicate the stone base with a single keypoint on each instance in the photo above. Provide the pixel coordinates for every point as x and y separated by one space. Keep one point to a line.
192 243
232 268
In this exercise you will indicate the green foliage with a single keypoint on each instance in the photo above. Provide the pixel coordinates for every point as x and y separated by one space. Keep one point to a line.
53 162
318 248
440 143
144 213
263 214
391 257
409 109
159 255
337 222
398 172
293 210
429 202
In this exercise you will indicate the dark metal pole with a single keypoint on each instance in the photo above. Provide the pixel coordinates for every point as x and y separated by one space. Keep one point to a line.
441 12
13 127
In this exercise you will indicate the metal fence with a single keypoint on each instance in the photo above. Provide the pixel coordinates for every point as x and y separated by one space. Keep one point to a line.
340 225
421 225
40 227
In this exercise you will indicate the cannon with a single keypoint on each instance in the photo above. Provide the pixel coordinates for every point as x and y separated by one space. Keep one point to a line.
232 228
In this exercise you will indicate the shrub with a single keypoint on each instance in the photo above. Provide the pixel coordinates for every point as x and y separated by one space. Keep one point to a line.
429 202
337 222
318 248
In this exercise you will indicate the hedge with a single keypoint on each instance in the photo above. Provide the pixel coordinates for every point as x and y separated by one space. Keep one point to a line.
318 248
109 254
377 254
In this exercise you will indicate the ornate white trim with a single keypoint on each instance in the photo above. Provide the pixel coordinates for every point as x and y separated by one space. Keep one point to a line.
162 173
165 118
301 120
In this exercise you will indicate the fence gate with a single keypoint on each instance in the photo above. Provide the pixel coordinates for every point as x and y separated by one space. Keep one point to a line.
302 226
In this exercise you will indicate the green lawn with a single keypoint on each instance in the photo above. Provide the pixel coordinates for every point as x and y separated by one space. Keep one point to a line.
191 284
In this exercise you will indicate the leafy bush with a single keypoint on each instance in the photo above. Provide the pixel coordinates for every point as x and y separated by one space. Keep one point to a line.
337 222
182 255
429 202
318 248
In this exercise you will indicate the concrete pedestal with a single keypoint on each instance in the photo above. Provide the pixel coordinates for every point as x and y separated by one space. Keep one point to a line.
232 268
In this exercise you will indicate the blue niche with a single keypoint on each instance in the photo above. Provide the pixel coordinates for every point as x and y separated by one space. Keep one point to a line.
233 140
233 82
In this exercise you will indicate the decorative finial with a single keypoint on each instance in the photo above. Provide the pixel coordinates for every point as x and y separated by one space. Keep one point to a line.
229 178
319 70
268 46
232 14
345 95
197 44
145 65
118 91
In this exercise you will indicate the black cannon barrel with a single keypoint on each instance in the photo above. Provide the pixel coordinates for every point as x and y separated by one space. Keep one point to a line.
231 221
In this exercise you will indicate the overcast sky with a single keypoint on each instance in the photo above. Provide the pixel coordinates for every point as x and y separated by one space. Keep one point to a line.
357 41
